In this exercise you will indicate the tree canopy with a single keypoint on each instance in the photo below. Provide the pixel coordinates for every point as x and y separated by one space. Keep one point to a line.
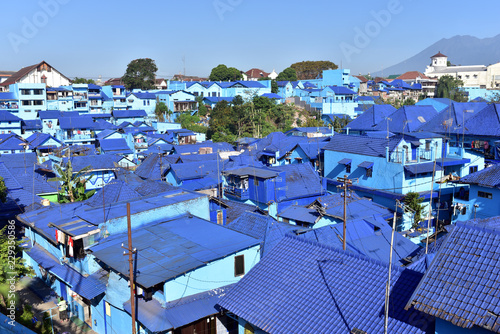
73 184
312 69
288 74
78 80
414 202
140 74
10 248
3 190
224 73
161 110
449 87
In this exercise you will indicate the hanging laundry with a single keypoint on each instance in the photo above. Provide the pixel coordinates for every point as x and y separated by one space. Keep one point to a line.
70 246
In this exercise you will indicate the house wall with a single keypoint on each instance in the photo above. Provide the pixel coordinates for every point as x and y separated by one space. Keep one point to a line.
486 207
10 127
446 327
31 103
214 275
198 207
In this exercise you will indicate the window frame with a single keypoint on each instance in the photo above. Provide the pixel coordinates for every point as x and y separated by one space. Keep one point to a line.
238 273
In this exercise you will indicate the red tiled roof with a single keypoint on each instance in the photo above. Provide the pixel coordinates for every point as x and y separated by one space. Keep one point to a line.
180 77
439 54
113 82
361 78
23 72
412 75
256 73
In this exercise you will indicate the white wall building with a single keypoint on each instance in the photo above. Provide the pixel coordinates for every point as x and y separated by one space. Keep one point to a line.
38 73
472 75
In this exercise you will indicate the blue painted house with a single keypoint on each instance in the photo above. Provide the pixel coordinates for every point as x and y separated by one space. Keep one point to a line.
120 116
321 289
9 123
142 101
459 288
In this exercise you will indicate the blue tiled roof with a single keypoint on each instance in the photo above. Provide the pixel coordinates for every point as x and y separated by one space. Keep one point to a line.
114 191
312 150
49 114
300 214
371 117
6 116
37 140
81 122
177 313
145 96
301 181
451 119
94 87
96 162
370 237
195 170
129 113
10 181
194 148
19 160
361 145
115 145
271 96
88 287
461 285
153 167
215 99
252 224
12 143
172 248
103 125
408 119
329 290
235 209
31 124
340 90
488 177
203 183
485 123
7 96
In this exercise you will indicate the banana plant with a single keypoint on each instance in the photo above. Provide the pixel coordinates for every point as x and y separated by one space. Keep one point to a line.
72 183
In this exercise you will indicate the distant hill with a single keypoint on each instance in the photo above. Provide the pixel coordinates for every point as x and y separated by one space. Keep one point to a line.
461 50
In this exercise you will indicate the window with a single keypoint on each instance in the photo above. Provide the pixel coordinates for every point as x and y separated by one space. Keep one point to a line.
369 172
38 92
427 145
239 265
485 194
472 169
26 103
348 168
25 92
108 309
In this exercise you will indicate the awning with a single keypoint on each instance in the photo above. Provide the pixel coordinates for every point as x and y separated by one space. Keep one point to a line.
415 143
452 162
366 164
426 167
345 161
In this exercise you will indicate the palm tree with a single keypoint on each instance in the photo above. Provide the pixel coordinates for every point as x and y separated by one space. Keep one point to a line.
72 184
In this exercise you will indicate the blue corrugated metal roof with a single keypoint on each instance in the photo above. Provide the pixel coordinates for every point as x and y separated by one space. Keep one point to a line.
171 248
88 287
300 214
461 284
271 96
426 167
177 313
8 96
301 181
129 113
115 145
144 96
313 278
81 122
340 90
37 140
195 170
215 99
408 119
362 145
49 114
371 117
31 124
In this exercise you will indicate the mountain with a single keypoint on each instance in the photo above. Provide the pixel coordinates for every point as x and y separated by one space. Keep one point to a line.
461 50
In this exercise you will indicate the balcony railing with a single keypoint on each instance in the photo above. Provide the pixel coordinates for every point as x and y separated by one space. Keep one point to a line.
237 192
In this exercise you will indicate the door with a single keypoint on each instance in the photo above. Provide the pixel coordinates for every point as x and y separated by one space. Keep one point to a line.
64 293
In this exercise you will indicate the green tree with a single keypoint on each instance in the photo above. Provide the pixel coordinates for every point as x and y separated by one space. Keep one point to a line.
339 123
409 102
274 87
224 73
312 69
161 110
288 74
3 190
73 184
78 80
140 74
202 108
414 202
8 248
450 87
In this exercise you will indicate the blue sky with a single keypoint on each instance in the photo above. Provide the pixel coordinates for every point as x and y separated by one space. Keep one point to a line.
91 38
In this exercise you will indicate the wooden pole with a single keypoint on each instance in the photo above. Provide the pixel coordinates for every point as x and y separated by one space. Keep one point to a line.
346 182
131 269
388 284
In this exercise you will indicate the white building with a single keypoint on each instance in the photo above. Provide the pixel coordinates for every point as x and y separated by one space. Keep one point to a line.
472 75
38 73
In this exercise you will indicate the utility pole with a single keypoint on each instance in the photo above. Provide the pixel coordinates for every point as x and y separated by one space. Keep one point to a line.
346 183
130 254
388 284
